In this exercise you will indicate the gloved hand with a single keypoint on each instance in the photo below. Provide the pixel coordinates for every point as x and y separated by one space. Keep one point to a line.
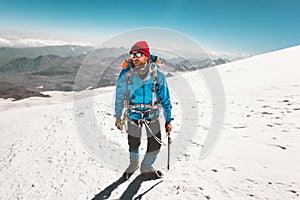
118 124
168 127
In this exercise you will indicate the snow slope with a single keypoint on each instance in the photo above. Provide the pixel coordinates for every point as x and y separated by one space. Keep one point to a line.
257 157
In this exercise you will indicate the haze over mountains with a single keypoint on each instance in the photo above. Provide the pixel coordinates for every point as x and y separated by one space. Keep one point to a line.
28 71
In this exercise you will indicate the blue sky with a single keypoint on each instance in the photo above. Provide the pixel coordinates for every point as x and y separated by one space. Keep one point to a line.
240 26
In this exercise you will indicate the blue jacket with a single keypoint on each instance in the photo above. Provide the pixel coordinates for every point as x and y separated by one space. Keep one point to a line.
140 92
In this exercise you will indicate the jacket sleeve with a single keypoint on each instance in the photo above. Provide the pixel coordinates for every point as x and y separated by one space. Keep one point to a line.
121 89
164 96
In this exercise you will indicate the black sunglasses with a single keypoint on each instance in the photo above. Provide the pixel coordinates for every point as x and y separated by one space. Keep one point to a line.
137 54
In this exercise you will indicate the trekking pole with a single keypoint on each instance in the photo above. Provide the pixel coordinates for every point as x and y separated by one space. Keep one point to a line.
169 144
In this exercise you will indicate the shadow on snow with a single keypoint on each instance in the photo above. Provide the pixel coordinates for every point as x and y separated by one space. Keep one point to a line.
130 191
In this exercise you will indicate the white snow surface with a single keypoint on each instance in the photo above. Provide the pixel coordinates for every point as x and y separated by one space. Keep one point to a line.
256 157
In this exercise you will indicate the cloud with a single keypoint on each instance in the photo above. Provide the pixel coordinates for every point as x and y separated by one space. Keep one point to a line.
29 42
5 42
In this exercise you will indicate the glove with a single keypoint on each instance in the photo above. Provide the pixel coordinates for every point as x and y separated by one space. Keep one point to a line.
118 124
168 127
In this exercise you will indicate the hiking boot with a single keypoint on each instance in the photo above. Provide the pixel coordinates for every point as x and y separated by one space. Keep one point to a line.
152 175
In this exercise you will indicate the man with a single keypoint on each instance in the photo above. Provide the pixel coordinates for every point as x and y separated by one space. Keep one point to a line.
143 89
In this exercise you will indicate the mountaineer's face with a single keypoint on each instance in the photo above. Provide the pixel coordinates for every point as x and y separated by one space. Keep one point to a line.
138 58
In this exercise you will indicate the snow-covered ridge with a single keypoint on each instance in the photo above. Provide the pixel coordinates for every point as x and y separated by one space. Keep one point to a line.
257 157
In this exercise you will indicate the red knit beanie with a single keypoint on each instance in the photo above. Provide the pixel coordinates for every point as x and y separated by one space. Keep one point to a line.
141 46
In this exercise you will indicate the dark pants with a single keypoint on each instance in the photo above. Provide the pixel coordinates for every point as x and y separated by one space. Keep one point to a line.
134 137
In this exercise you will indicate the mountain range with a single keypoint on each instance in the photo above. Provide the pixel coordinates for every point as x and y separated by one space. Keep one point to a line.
8 54
36 69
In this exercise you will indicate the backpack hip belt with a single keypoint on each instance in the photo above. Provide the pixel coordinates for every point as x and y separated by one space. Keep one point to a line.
149 106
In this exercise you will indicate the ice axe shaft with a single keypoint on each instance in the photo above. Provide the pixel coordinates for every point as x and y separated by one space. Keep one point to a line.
169 144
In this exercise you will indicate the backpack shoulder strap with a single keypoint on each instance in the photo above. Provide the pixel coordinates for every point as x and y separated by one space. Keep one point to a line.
128 70
154 74
129 75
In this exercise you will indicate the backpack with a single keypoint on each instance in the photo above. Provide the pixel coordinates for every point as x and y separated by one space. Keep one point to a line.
154 74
